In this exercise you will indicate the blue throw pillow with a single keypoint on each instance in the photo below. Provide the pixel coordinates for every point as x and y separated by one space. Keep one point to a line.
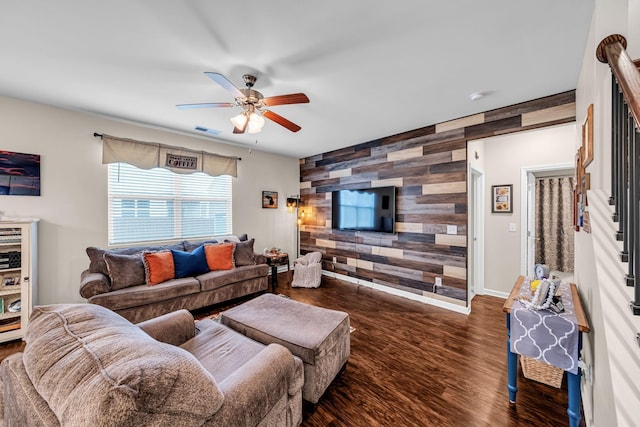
190 264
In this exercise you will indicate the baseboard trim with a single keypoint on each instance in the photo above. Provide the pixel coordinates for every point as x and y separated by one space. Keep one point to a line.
499 294
436 301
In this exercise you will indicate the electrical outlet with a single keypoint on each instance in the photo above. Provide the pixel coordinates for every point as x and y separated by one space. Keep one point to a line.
335 260
438 281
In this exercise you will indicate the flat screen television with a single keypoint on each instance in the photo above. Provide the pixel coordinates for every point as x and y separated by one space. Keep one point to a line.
367 209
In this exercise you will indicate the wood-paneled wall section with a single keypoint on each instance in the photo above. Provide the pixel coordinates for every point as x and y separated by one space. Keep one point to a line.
429 168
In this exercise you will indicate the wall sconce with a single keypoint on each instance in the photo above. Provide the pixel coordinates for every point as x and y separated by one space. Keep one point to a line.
292 203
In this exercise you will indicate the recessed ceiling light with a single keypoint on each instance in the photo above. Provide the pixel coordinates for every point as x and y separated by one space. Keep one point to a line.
476 95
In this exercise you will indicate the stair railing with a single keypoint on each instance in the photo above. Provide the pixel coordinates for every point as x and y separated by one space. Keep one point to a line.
625 154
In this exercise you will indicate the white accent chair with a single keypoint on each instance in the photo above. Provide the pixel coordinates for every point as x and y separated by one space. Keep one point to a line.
307 271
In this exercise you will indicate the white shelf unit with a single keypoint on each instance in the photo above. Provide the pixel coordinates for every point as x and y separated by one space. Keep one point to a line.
18 275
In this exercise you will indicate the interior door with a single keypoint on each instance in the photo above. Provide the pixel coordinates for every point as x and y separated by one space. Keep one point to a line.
531 222
475 263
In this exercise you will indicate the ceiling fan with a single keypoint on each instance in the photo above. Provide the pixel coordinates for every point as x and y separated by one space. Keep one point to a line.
253 105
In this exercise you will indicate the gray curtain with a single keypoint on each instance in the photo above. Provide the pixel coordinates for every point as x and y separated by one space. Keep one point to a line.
554 223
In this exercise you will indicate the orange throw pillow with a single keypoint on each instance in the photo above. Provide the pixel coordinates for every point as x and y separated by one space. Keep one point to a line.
219 257
158 267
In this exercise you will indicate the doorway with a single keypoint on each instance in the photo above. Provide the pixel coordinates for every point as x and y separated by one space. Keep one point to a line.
546 227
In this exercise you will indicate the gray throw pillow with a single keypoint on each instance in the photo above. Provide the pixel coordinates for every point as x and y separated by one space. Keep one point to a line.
124 270
96 255
190 246
243 253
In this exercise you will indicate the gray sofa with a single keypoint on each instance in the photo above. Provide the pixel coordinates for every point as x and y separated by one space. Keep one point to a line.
84 365
116 279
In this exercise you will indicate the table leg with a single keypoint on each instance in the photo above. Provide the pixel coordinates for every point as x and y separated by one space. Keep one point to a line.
274 277
573 386
512 365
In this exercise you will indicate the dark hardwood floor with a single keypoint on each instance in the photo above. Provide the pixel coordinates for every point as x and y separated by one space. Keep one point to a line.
413 364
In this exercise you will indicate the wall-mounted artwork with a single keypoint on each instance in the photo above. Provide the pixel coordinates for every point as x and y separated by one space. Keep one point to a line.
19 174
587 138
270 199
501 198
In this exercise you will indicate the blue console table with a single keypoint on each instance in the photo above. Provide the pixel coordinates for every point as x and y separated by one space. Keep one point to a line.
573 380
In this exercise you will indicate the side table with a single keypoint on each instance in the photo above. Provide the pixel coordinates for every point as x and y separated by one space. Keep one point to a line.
573 380
275 260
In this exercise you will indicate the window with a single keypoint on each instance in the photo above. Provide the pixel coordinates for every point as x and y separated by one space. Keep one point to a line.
157 204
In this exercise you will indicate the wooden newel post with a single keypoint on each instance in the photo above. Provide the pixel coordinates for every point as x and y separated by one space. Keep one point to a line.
612 51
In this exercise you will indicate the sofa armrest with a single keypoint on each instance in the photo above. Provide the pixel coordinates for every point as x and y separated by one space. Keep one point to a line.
252 391
259 258
173 328
92 284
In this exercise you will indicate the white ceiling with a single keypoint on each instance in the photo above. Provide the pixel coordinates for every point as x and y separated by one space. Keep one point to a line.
370 68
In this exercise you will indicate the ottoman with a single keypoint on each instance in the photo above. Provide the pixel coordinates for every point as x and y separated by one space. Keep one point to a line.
318 336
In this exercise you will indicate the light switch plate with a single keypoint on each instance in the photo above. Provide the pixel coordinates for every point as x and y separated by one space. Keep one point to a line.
452 229
512 226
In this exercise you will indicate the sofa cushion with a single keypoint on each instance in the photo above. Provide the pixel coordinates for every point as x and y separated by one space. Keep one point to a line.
243 253
137 296
211 347
158 267
190 264
96 255
219 257
217 279
124 270
86 356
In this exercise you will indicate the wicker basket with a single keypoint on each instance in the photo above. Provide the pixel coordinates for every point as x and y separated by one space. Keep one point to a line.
541 372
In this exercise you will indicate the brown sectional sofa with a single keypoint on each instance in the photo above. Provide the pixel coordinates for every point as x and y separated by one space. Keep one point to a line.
114 276
84 365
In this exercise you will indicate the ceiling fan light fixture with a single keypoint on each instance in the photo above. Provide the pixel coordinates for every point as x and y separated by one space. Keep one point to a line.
240 121
256 123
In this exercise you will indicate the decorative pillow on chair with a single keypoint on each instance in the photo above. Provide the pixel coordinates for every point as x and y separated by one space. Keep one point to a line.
124 270
189 264
219 257
158 267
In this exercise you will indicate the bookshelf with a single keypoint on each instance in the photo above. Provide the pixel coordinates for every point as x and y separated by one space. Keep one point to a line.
18 277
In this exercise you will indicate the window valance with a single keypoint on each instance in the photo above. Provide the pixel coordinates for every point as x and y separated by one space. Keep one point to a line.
149 155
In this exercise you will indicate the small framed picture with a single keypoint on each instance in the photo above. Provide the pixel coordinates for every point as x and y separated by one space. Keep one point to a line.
502 198
269 199
587 138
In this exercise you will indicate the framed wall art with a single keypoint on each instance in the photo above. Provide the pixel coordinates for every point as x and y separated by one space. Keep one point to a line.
269 199
19 174
587 138
502 198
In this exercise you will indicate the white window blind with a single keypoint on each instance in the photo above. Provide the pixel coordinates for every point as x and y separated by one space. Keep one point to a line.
157 204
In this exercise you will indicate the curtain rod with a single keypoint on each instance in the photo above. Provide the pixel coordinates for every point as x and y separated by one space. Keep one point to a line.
99 135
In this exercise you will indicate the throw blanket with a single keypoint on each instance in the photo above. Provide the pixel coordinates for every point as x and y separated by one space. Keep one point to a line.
545 335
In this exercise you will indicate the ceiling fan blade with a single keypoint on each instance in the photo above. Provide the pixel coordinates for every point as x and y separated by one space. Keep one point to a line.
225 83
293 98
205 105
281 120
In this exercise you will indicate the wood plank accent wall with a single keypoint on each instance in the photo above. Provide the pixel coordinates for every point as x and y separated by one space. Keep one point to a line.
429 168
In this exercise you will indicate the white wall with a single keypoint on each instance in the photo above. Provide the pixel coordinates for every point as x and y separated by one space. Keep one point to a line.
502 159
73 202
613 397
